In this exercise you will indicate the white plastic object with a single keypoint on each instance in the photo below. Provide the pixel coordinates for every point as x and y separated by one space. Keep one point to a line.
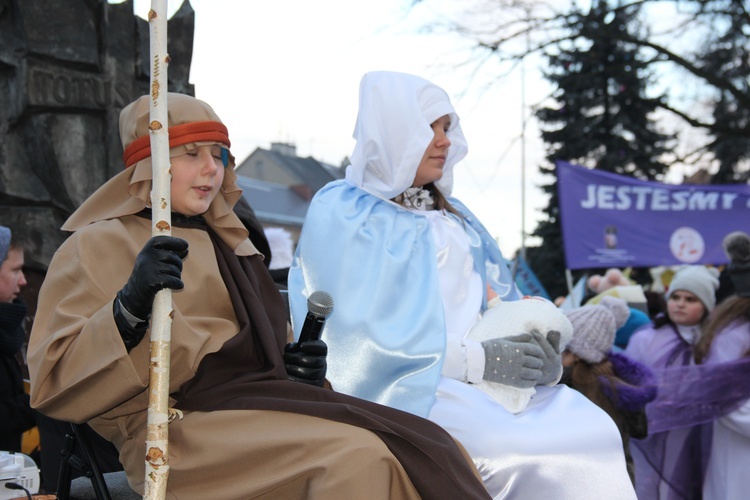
19 469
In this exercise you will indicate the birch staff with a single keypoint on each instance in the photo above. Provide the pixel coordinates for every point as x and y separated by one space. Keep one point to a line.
157 433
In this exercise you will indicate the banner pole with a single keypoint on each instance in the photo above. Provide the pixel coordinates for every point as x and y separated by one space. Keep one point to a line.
569 280
514 267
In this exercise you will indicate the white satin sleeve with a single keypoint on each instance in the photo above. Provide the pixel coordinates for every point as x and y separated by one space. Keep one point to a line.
461 291
475 359
464 360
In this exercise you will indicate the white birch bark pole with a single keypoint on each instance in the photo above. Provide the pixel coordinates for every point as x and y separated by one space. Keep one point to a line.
157 433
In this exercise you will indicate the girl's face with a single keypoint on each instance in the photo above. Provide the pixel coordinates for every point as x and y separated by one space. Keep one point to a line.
684 308
196 179
430 168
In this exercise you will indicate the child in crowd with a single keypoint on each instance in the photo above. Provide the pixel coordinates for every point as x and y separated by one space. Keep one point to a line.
16 414
697 445
725 345
620 386
671 338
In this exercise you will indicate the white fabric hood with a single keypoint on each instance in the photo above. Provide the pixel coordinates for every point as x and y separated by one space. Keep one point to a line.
393 130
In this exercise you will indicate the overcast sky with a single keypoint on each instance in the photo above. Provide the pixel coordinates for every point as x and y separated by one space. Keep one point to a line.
289 71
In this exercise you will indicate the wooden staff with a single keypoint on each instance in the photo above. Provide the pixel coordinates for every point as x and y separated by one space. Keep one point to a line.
157 434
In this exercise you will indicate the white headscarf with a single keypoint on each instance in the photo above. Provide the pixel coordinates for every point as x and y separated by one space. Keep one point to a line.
393 130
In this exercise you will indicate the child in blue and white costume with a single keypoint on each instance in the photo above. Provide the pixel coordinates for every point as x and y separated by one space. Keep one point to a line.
411 272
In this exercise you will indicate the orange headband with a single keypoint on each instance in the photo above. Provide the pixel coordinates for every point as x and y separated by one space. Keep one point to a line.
208 131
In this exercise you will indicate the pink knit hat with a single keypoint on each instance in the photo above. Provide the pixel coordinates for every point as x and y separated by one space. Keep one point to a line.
594 328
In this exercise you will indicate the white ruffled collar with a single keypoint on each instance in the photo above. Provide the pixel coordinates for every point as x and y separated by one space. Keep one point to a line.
417 198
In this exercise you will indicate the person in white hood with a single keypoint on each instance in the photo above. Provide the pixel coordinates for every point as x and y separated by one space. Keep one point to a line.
411 271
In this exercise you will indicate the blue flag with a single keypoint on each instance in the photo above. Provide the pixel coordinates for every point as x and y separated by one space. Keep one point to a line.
575 299
526 280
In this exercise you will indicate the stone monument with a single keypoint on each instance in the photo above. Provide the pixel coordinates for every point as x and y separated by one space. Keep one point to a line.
67 69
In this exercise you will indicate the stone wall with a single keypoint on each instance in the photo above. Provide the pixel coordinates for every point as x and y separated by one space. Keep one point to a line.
67 68
66 71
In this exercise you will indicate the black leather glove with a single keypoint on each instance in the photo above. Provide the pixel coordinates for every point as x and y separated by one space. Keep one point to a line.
515 361
306 362
158 266
552 368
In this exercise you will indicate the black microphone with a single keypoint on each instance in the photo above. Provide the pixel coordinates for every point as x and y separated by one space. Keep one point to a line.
319 306
16 486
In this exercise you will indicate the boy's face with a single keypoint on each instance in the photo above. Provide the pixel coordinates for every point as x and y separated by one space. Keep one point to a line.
196 179
11 275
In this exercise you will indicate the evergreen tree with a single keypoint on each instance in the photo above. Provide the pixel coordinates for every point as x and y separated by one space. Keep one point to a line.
729 55
601 119
604 58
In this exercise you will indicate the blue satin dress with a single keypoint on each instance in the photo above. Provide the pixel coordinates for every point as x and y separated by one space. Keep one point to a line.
407 288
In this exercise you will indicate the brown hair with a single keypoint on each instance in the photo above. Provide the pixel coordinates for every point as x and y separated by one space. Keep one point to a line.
732 309
17 239
586 378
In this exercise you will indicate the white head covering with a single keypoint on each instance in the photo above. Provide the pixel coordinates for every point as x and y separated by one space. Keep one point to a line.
393 130
282 247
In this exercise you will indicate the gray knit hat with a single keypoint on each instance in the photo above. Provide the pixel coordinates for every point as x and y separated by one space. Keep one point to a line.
701 281
594 328
4 243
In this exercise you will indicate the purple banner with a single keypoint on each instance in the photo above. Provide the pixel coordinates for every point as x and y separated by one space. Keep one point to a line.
611 220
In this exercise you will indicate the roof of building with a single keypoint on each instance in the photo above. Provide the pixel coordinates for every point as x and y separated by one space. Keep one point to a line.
306 171
273 203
